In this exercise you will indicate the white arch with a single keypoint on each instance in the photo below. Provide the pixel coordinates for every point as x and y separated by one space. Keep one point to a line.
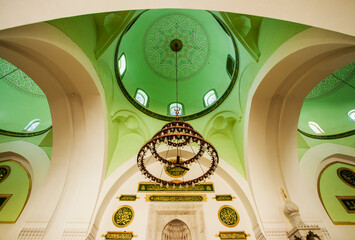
72 87
36 161
129 168
332 15
274 104
313 162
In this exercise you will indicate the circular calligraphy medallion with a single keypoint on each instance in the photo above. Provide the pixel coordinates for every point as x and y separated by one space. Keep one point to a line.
175 171
228 216
123 216
194 46
4 172
347 175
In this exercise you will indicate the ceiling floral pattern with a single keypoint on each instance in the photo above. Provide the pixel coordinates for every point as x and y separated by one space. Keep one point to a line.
332 82
19 79
191 58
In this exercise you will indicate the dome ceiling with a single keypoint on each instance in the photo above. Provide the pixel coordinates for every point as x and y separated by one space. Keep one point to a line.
193 54
26 104
329 103
205 66
333 82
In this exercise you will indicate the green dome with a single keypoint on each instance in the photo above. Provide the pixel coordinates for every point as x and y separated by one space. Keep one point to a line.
23 102
147 67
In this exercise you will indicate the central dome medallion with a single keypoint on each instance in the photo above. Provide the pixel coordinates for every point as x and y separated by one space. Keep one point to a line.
193 54
147 66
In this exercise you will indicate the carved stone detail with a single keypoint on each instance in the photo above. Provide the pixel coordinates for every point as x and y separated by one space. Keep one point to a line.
74 234
276 234
306 232
31 233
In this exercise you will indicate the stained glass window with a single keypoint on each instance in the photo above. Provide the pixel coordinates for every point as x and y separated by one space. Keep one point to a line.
122 64
174 106
31 126
351 114
315 128
210 98
141 97
230 65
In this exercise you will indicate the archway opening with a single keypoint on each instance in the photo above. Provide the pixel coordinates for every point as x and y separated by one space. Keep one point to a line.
176 230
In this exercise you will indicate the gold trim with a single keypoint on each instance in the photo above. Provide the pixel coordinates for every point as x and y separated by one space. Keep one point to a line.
320 197
29 189
7 196
7 174
225 206
341 178
204 197
113 216
340 198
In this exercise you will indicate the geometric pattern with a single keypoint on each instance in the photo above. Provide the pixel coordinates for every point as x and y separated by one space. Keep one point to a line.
18 79
191 58
332 82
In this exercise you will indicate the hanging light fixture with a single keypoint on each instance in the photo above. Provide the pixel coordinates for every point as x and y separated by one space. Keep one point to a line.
176 135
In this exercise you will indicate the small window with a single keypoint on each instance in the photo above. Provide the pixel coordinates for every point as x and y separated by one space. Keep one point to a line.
31 126
315 128
122 64
210 98
351 114
230 65
141 97
174 106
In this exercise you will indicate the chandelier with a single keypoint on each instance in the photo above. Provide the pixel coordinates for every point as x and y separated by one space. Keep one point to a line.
177 135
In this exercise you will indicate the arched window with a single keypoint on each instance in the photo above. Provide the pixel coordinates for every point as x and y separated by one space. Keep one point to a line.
230 65
172 108
315 128
210 98
122 64
351 114
141 97
31 126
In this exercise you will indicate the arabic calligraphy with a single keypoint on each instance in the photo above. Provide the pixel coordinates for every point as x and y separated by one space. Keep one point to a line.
123 216
152 187
119 235
4 172
176 198
232 235
347 175
228 216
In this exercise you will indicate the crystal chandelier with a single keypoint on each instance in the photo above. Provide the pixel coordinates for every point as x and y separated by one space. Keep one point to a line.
177 135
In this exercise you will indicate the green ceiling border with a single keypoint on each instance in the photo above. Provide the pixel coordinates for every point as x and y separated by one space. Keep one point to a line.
168 118
328 137
24 134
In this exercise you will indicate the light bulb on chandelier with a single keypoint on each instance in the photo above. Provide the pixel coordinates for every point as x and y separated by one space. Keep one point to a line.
177 135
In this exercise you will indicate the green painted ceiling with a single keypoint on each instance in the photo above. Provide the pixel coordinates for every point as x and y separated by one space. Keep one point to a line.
151 64
256 39
330 186
330 101
18 185
328 105
21 100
